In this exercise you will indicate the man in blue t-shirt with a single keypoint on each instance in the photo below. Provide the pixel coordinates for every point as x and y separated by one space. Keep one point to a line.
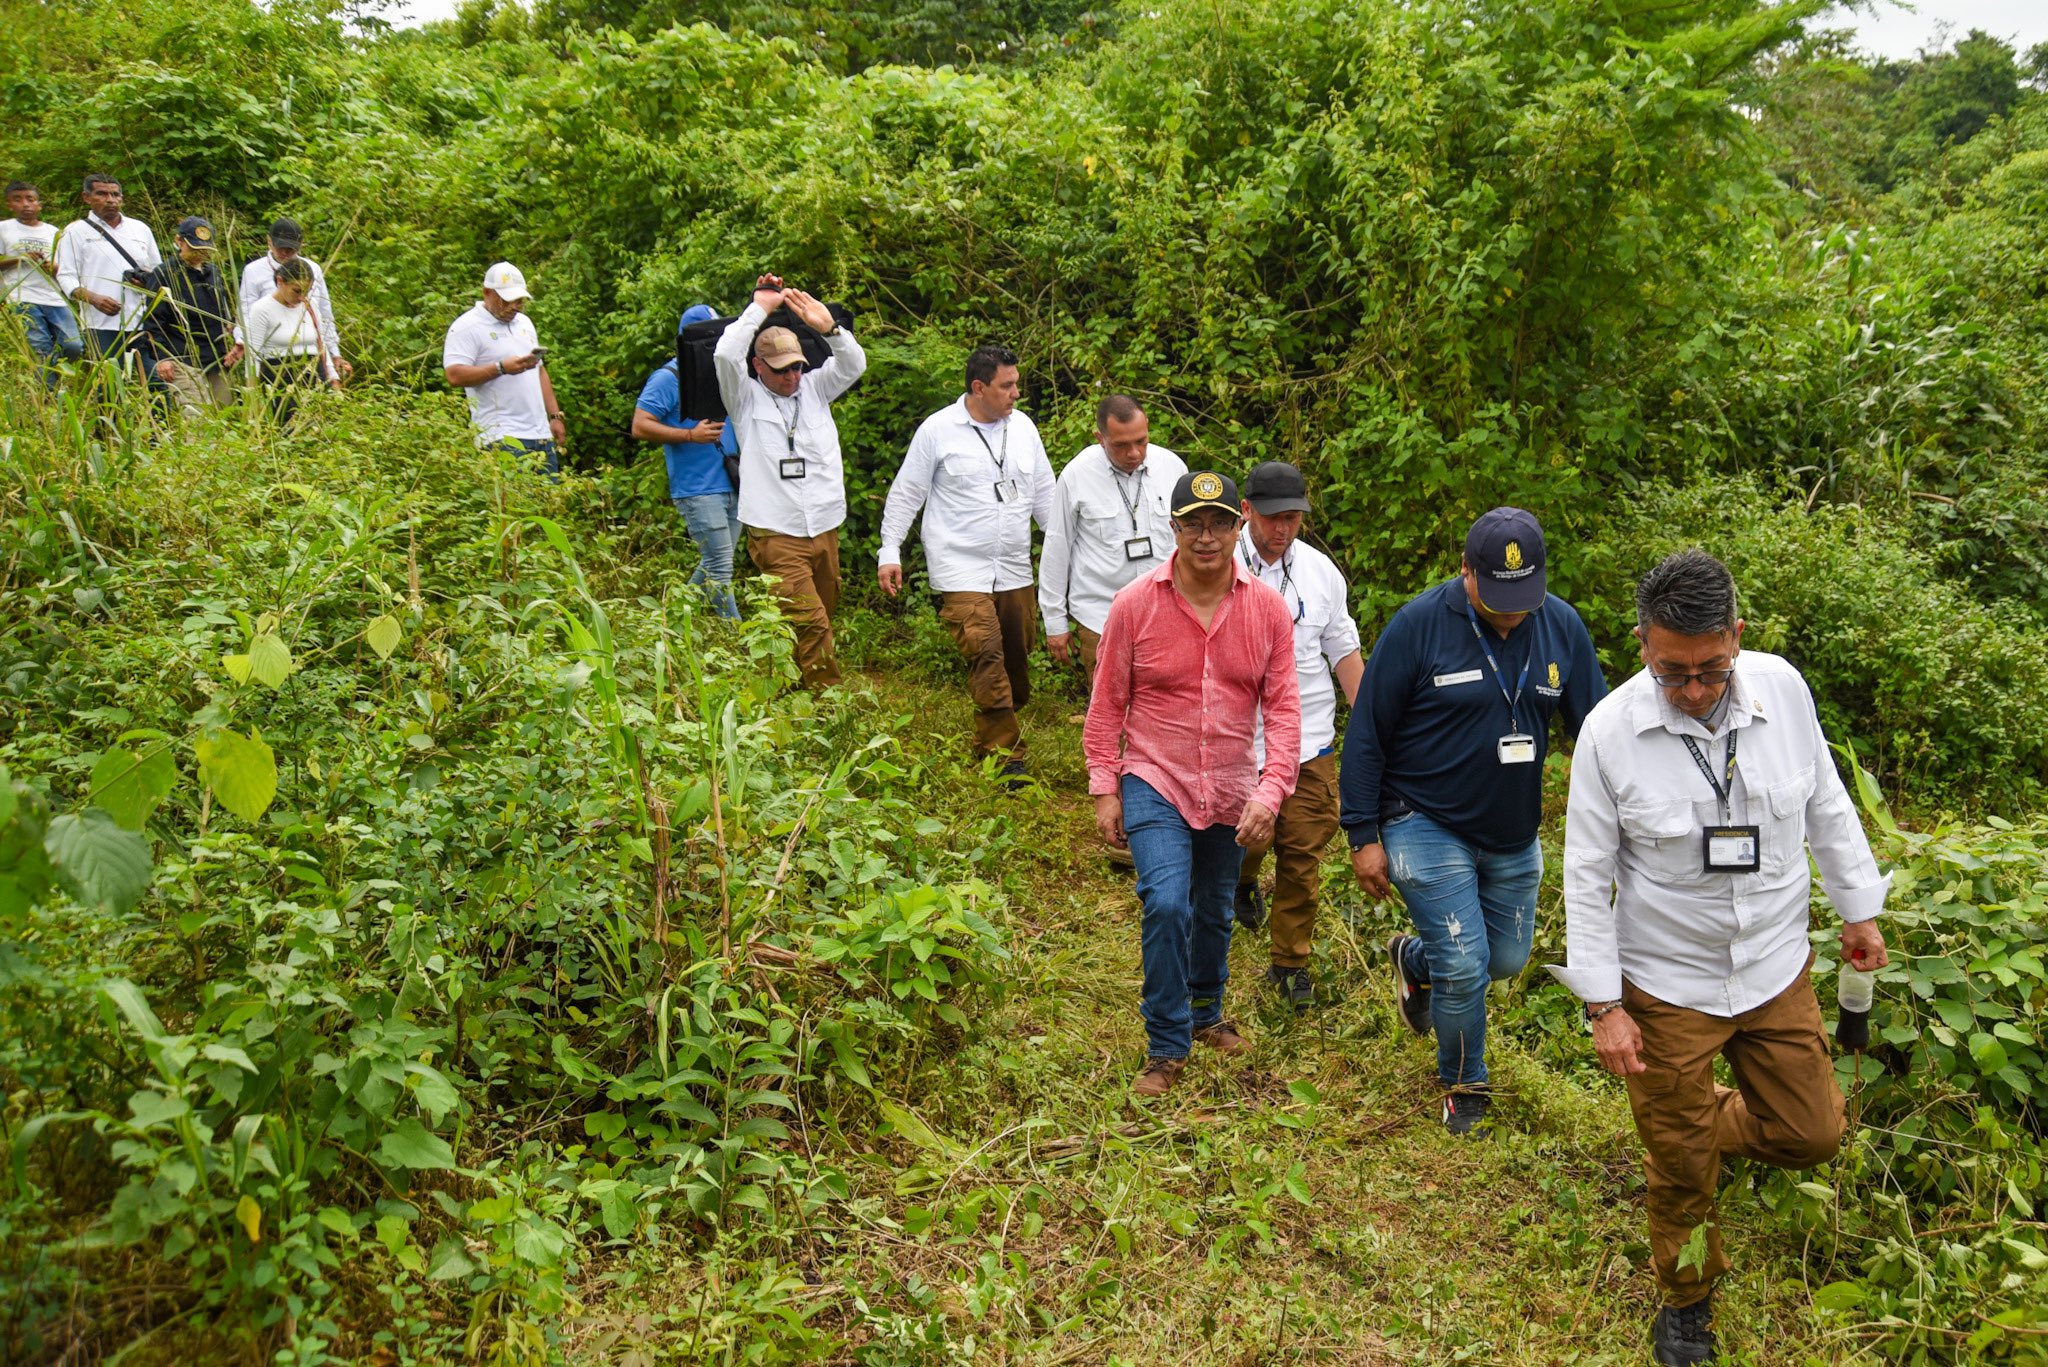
697 481
1442 783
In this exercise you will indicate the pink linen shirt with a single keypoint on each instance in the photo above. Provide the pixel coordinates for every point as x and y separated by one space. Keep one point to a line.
1183 702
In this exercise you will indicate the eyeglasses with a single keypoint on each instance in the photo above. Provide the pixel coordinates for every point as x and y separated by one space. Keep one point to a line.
1208 526
789 369
1712 678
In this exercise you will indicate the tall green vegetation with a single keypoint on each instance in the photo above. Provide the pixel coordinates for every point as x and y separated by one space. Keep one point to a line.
398 871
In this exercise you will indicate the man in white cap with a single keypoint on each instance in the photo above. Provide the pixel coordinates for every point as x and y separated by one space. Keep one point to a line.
493 352
792 482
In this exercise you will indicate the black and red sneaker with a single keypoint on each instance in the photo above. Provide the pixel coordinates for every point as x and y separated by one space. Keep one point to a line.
1465 1113
1410 996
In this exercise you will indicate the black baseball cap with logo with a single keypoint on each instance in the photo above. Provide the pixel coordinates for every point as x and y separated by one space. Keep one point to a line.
1505 550
1274 487
196 232
1199 489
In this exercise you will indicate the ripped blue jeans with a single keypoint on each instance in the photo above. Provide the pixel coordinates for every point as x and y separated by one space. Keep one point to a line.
1474 913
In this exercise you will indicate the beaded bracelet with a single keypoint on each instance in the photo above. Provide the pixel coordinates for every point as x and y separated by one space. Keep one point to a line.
1592 1015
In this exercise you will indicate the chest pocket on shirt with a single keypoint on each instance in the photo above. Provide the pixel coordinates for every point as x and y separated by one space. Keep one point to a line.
1783 818
969 470
1665 838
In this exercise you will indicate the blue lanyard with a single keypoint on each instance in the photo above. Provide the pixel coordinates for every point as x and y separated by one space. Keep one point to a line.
1512 702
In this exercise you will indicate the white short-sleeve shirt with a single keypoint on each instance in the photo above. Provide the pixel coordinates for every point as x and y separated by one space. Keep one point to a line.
504 405
34 281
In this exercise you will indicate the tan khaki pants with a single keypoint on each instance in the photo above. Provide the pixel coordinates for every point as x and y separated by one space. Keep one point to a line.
994 632
1785 1111
197 388
1088 643
1301 831
806 569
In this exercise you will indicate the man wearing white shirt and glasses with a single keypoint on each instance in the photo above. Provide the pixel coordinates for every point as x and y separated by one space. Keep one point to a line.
1109 525
977 470
792 479
1326 656
1697 791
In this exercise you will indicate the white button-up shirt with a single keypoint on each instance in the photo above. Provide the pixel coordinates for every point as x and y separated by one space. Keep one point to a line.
976 540
259 281
88 259
1096 510
1318 603
1638 903
772 429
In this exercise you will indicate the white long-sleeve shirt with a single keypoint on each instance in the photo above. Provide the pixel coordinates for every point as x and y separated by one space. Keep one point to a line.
1318 603
772 429
1096 511
88 259
259 281
278 332
1638 903
980 491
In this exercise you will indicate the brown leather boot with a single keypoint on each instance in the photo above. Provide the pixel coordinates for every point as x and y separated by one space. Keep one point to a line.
1159 1076
1223 1038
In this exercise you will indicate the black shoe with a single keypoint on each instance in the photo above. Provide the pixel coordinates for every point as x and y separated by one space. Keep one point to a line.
1293 984
1014 774
1465 1113
1251 906
1683 1336
1408 994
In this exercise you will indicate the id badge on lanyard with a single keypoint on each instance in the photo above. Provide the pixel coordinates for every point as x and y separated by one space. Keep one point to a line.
1726 848
791 466
1517 746
1137 548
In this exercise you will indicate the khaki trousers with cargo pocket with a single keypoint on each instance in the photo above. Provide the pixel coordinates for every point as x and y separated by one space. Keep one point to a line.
806 570
1784 1110
994 632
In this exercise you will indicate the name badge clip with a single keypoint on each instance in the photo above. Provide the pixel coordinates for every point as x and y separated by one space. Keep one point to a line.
1517 748
792 467
1137 548
1731 849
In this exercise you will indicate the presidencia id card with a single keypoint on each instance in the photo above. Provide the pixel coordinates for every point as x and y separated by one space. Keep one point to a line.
1137 548
1726 848
1732 849
1517 747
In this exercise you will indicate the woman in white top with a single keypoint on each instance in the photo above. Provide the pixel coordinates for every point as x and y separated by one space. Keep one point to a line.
286 349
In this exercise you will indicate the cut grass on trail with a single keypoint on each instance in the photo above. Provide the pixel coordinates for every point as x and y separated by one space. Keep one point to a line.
1299 1205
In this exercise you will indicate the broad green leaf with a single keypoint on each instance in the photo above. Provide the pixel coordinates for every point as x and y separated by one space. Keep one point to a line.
434 1092
449 1261
128 786
133 1005
2029 1257
96 861
237 666
412 1146
241 771
1840 1296
1988 1052
270 660
382 635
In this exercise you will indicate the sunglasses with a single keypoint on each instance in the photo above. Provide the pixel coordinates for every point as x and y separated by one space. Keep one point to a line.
789 369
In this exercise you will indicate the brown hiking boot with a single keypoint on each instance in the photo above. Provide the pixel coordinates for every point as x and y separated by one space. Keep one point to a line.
1159 1076
1223 1038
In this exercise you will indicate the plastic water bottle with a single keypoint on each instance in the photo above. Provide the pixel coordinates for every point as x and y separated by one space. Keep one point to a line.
1854 989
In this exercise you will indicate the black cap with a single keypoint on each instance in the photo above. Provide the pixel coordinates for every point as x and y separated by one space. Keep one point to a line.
1505 550
1274 487
195 231
1199 489
287 233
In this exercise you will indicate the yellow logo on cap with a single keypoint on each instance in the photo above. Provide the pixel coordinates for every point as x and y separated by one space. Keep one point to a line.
1553 673
1206 486
202 233
1512 557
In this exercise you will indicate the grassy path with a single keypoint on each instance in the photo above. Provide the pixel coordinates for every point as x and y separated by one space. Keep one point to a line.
1301 1205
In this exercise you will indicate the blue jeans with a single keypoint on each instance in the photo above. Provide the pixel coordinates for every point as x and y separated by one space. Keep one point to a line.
544 447
714 523
51 331
1474 913
1187 880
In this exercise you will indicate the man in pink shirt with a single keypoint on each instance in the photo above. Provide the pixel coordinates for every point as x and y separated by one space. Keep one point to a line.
1190 654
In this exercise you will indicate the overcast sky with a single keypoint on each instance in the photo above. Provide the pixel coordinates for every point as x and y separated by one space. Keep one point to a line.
1891 32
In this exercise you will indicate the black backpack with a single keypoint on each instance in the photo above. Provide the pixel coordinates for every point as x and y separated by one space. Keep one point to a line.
697 376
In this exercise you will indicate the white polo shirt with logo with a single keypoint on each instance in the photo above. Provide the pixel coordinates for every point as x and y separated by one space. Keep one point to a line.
504 405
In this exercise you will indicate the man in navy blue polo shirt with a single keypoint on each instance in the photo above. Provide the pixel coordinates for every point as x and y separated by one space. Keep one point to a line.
1442 782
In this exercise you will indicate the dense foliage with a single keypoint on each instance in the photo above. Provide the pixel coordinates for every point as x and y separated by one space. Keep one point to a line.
405 892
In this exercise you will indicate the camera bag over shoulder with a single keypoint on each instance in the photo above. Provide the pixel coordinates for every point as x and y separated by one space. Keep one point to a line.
698 377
